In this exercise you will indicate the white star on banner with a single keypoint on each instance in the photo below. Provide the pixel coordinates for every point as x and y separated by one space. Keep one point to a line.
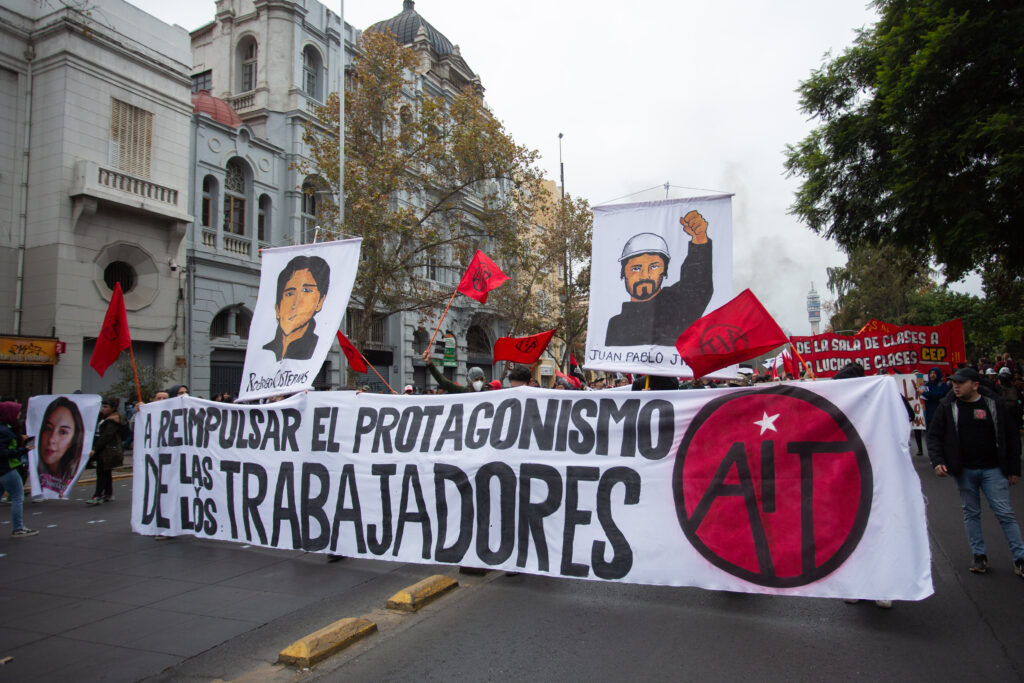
766 423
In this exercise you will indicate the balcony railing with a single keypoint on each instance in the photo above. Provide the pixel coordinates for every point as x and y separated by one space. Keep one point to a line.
236 244
115 180
241 102
210 239
94 183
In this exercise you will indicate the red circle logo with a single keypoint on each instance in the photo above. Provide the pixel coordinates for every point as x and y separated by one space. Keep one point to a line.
773 486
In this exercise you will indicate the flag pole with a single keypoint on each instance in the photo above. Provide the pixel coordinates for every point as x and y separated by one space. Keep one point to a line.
368 363
138 389
802 361
431 344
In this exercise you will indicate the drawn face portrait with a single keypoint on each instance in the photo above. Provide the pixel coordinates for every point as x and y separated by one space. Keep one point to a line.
643 275
300 301
56 436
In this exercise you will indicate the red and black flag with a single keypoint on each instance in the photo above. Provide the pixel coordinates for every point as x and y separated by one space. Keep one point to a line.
114 337
352 355
523 350
737 331
481 277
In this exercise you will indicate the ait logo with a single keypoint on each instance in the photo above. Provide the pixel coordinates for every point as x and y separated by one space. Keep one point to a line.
480 277
526 345
773 486
113 331
723 339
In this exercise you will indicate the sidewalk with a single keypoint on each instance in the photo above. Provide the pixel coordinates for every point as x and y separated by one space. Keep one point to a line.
87 599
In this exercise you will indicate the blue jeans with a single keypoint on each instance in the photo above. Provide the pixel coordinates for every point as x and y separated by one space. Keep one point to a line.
13 484
997 490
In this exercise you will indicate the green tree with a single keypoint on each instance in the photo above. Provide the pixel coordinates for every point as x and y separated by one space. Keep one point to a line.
876 282
921 135
568 244
151 380
427 182
888 283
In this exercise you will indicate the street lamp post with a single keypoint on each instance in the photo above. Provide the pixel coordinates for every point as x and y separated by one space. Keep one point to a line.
566 265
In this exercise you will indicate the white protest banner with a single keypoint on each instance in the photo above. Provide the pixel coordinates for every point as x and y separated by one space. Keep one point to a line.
63 426
656 267
793 489
304 291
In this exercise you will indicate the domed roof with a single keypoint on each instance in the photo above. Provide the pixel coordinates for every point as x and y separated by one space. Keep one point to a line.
405 26
219 110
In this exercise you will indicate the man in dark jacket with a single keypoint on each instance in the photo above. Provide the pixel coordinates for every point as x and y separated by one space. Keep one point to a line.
972 438
12 457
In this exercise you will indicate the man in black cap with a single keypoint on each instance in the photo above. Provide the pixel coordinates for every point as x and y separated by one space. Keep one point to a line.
971 437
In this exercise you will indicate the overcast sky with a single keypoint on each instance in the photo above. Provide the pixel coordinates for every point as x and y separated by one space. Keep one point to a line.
696 94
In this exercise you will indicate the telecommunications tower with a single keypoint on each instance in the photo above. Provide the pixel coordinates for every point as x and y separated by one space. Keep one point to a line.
814 309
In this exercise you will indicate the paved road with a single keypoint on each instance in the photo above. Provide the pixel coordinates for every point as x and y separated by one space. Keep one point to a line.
87 599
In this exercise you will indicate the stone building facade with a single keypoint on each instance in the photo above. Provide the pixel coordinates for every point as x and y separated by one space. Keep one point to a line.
264 65
258 71
94 175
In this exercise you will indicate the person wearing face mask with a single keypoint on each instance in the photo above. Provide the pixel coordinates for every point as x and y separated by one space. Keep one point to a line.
475 375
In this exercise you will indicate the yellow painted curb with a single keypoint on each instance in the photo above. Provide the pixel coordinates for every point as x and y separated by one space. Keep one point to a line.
322 644
421 593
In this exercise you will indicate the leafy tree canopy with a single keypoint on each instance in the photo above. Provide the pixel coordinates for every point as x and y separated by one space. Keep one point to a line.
921 135
428 180
888 283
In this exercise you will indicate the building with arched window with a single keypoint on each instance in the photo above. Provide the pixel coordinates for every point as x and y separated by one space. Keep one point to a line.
469 329
237 185
94 182
259 69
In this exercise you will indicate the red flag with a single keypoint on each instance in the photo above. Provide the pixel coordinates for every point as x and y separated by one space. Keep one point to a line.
114 337
790 364
352 355
738 331
573 381
482 276
524 350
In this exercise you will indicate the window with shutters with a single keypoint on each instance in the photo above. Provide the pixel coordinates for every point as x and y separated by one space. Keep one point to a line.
203 81
247 64
234 198
263 219
311 69
209 195
131 138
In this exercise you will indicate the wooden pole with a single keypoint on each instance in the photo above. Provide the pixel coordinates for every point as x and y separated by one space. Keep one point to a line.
802 361
368 363
431 344
138 389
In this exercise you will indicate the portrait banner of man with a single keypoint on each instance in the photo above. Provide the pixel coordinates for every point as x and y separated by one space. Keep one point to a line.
60 429
304 291
656 268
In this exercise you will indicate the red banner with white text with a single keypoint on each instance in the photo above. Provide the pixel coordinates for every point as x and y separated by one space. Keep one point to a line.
883 348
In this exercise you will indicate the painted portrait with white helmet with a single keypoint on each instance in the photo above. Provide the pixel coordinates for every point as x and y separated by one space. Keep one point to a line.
656 268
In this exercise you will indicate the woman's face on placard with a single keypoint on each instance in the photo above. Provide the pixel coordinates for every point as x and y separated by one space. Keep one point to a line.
56 436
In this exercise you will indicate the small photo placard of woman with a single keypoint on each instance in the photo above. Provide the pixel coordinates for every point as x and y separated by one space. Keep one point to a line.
62 427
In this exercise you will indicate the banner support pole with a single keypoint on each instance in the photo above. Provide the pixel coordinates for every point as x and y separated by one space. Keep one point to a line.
138 389
431 344
368 363
802 361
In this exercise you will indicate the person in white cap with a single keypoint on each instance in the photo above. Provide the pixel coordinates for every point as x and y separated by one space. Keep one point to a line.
656 314
408 389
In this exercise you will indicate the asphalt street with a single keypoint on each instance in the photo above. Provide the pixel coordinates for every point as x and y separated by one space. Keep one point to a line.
87 599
